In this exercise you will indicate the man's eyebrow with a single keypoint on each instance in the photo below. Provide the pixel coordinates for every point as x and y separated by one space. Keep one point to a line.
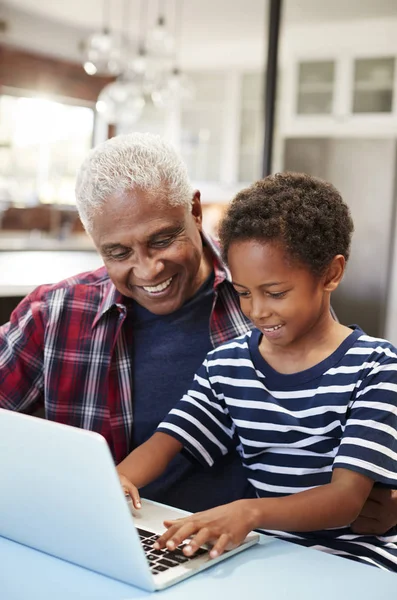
109 247
172 229
272 283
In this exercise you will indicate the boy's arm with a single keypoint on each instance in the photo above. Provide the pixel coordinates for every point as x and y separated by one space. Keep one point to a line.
149 461
335 504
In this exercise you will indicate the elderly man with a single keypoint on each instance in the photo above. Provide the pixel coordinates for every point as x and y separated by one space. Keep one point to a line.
113 350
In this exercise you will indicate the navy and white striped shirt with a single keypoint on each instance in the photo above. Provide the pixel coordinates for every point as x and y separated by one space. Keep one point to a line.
294 429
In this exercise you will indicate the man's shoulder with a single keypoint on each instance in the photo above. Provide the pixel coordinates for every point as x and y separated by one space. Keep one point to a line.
89 280
82 292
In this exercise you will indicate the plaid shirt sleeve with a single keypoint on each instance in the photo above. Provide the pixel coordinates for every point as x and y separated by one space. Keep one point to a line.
21 356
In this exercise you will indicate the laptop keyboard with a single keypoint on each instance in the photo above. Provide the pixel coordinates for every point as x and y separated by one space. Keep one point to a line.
162 560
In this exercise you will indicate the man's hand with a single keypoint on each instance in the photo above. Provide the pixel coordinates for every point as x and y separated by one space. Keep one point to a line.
379 513
225 527
131 490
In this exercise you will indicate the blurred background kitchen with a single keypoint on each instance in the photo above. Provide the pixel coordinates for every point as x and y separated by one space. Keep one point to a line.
74 73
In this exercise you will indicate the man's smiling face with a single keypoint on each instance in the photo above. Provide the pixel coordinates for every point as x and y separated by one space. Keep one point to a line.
152 251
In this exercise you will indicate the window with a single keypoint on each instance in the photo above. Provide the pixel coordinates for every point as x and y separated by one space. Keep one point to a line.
42 144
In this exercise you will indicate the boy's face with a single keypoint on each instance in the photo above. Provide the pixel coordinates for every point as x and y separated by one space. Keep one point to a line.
285 301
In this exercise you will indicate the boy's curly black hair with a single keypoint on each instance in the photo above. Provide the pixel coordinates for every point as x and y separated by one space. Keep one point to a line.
305 214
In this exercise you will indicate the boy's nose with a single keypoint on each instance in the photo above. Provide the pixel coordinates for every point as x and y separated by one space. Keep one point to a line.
260 312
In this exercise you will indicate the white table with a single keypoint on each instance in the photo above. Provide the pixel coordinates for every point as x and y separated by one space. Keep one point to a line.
272 571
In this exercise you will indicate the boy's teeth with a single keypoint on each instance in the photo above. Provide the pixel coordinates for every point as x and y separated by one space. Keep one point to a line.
158 288
272 328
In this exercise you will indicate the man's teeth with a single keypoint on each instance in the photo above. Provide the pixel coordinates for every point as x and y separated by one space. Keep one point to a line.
272 328
158 288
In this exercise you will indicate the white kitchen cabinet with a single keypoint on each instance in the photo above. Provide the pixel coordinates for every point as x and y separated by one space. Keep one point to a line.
373 85
339 96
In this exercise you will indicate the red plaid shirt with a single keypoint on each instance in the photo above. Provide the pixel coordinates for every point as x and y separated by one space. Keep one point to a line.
68 348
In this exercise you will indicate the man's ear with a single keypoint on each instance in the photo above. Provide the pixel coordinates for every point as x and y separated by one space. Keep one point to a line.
334 273
196 209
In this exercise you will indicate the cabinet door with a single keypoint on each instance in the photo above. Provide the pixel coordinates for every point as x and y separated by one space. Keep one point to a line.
315 89
363 170
373 85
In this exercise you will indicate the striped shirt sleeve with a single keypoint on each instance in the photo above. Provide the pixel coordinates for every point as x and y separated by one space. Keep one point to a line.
369 442
201 421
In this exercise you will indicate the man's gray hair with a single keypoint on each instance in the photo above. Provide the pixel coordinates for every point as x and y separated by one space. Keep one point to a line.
126 162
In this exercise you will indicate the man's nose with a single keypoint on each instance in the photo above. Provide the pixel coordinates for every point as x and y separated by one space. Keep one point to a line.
146 268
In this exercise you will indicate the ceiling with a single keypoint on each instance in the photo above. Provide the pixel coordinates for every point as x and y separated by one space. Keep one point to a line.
220 15
208 26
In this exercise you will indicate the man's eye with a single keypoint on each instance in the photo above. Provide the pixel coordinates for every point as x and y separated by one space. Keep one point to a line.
162 243
119 255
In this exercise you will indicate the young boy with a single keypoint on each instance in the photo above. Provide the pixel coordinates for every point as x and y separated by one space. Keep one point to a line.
311 403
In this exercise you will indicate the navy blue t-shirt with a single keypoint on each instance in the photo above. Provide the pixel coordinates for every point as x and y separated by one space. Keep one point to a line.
167 351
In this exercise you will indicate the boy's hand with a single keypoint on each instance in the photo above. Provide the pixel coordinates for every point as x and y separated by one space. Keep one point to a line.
225 527
131 490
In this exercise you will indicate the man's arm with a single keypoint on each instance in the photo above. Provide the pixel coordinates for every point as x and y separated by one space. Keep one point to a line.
21 356
379 513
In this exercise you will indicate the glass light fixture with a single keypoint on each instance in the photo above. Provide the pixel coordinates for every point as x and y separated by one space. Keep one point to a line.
160 42
121 102
103 54
174 89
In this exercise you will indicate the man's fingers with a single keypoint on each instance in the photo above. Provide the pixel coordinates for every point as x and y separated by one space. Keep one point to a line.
370 510
364 526
380 495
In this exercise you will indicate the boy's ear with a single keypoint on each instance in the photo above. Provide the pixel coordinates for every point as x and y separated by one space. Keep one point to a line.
334 273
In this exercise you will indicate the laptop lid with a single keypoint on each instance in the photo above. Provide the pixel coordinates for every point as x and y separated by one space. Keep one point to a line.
60 494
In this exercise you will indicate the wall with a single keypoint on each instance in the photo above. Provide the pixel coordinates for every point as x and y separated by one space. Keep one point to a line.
34 72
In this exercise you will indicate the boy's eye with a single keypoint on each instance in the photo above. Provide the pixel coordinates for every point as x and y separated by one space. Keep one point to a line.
242 294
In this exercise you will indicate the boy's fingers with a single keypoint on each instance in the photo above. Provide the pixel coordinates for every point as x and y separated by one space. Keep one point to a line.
202 537
175 535
136 499
131 490
221 545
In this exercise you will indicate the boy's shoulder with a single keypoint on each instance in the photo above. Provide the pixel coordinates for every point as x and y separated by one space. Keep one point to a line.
234 347
375 346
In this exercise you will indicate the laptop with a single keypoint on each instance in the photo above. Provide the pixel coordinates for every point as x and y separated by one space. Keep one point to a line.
60 494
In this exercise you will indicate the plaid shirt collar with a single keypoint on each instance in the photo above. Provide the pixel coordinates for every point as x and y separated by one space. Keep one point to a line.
113 298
